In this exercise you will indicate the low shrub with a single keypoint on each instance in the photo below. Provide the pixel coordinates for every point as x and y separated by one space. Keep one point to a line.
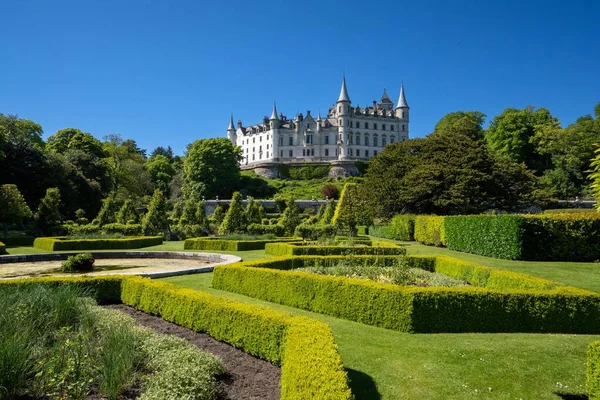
314 232
499 236
429 230
57 243
124 229
78 263
593 371
258 229
314 249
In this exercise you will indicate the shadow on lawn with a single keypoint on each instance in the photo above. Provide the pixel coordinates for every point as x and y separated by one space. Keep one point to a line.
571 396
362 385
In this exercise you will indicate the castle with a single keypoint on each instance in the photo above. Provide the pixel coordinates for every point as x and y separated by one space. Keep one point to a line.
346 135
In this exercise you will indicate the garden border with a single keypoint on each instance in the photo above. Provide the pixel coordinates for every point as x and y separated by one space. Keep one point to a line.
60 243
298 248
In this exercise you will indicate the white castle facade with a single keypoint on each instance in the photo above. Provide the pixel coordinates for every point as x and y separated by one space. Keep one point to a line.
346 134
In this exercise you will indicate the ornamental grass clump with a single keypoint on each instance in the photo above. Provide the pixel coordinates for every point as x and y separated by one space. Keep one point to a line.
83 262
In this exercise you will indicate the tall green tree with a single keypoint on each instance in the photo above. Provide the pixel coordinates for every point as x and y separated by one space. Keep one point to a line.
328 213
516 134
156 220
469 123
254 212
126 165
291 217
127 213
108 212
211 168
235 218
595 176
351 209
48 216
161 171
13 208
18 130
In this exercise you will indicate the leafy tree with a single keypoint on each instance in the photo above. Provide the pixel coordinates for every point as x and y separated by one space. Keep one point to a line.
201 213
516 133
254 212
161 151
127 213
351 210
468 123
108 212
291 217
330 191
18 130
211 168
218 215
13 208
126 165
235 218
328 213
161 171
48 215
74 139
156 220
189 215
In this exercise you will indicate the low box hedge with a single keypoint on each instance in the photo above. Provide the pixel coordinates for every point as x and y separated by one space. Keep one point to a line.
314 232
17 240
430 230
314 249
58 243
504 302
593 371
311 365
401 227
230 245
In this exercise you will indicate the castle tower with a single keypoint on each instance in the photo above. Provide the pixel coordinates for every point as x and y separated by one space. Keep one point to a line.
385 103
343 115
401 112
231 135
274 121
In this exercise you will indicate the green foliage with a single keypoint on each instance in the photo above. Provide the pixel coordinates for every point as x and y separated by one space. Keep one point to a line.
593 371
56 244
107 214
211 168
351 210
595 176
229 245
330 191
291 218
48 217
83 262
430 230
235 218
125 161
189 215
126 213
499 236
304 172
124 229
468 123
308 372
314 249
328 213
254 212
402 227
156 220
314 232
258 229
509 302
218 215
13 208
161 170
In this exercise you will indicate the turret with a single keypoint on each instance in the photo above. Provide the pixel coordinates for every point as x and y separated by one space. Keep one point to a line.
343 117
401 112
274 120
231 135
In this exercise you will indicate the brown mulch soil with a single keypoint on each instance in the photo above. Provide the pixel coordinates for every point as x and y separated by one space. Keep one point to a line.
247 377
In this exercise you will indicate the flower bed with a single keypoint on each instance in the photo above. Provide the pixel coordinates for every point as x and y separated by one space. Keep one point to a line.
60 243
497 301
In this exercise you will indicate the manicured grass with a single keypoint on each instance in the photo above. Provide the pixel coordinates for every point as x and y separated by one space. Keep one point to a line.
392 365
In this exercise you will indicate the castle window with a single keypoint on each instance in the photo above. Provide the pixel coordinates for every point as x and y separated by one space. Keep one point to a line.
340 109
383 141
350 152
336 151
391 139
391 127
267 154
366 153
326 152
246 150
366 125
253 157
403 127
383 127
307 126
291 140
267 137
253 140
326 139
374 126
291 153
281 141
267 147
312 152
308 139
303 152
366 140
357 152
375 152
349 139
402 114
358 140
281 154
357 124
375 140
260 149
260 138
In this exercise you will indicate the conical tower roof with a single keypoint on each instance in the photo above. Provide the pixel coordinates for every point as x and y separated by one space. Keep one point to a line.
274 113
344 92
402 99
231 127
385 97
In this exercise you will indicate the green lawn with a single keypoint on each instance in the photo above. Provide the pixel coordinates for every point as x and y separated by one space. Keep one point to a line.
392 365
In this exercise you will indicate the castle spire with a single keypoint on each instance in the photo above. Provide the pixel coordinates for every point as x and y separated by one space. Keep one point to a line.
274 113
231 127
344 92
402 99
384 96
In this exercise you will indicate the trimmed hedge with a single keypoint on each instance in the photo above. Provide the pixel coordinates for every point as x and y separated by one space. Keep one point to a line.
499 236
362 230
258 229
57 243
17 240
402 227
506 302
314 249
429 229
314 232
230 245
593 371
311 366
2 248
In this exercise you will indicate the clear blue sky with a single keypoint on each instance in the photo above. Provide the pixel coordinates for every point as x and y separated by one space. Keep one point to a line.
170 72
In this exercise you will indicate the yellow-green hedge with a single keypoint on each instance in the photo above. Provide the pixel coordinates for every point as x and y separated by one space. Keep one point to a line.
230 245
314 249
311 366
593 371
429 229
506 302
57 243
